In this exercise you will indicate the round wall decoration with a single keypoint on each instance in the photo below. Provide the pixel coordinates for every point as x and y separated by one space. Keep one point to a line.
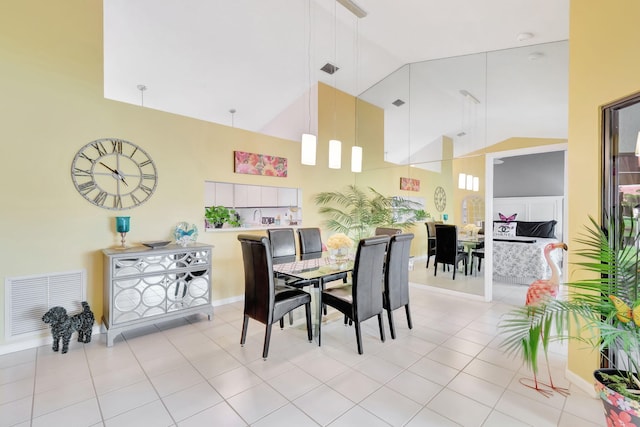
114 174
440 198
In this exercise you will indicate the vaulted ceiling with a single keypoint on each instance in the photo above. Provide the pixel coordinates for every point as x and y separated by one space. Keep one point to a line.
258 58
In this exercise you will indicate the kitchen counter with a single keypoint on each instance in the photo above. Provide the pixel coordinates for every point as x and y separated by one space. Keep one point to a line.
250 228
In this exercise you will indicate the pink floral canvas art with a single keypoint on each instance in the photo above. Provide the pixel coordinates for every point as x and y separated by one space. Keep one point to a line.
260 164
410 184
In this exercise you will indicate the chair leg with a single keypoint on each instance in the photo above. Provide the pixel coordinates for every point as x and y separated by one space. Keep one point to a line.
479 263
435 268
267 338
291 317
381 326
282 322
245 323
465 266
409 322
391 327
455 267
307 312
358 337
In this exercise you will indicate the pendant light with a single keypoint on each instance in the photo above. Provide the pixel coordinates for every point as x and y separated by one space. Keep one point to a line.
356 151
335 146
309 141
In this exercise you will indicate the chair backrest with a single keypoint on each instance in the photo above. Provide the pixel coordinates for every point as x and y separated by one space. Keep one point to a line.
431 229
283 244
446 243
310 242
396 273
368 277
259 286
384 231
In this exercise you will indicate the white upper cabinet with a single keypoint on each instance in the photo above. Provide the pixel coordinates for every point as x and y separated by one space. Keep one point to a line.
287 197
209 193
224 194
249 196
240 195
269 196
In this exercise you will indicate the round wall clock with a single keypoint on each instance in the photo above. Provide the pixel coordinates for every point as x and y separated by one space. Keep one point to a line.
114 174
440 199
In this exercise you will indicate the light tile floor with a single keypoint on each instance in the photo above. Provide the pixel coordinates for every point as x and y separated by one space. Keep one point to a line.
447 371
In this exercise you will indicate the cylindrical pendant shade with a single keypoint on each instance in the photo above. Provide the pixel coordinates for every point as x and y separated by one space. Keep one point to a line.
335 154
356 159
308 149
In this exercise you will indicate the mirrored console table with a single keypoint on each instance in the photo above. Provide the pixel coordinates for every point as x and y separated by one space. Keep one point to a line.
143 286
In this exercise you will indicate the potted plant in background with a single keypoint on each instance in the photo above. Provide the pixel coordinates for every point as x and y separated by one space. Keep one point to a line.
607 305
356 212
219 215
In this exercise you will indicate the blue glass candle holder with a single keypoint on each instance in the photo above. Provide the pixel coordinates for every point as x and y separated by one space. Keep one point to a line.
122 227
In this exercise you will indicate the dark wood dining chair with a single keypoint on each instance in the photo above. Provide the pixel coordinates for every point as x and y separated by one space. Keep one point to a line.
447 249
362 298
431 240
263 301
396 278
477 253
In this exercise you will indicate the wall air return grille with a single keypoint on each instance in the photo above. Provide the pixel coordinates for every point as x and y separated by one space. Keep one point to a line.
27 298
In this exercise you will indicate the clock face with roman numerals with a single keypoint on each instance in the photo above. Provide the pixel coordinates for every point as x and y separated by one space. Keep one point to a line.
114 174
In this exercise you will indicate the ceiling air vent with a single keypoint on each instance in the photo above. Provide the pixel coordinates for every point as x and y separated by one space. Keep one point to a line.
398 102
329 68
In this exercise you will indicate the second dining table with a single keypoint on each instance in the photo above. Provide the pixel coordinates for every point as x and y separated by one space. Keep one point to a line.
316 270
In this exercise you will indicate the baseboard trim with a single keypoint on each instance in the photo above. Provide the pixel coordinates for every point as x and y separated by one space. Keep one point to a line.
581 383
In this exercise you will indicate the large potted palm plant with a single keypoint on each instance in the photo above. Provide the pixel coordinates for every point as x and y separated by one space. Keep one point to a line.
357 212
607 304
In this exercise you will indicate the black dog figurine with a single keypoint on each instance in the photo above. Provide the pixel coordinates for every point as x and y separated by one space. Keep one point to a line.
62 326
85 323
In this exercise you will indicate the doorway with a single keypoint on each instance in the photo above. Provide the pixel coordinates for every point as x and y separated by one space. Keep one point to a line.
489 208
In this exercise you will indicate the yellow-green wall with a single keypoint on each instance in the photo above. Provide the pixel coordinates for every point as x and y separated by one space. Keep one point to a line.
51 81
603 66
52 104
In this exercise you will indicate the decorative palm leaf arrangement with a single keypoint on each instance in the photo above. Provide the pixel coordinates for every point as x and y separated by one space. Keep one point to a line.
357 212
606 305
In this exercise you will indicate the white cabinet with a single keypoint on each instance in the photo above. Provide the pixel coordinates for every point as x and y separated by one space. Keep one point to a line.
209 193
254 195
240 195
287 197
249 196
224 194
144 286
269 196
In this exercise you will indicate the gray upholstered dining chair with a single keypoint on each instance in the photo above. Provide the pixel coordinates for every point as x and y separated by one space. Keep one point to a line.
263 301
362 299
396 278
447 249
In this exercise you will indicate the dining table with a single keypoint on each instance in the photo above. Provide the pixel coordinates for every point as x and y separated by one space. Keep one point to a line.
316 270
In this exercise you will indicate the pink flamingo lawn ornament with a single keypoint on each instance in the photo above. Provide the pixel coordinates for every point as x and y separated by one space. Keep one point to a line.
538 292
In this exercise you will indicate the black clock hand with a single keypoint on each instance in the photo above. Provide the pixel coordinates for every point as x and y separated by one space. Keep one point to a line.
115 172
